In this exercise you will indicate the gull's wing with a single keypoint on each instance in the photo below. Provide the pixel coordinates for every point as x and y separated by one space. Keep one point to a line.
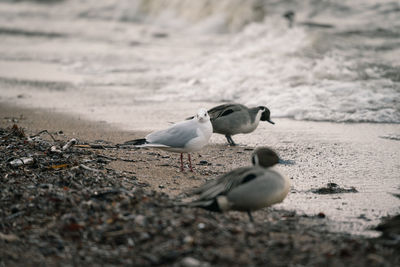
178 135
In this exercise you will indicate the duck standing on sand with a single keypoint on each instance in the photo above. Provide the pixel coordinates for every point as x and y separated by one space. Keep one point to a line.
182 137
231 119
245 189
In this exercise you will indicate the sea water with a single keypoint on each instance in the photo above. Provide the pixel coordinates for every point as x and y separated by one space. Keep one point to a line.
338 62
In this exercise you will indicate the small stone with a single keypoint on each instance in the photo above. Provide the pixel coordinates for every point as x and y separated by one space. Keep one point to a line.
8 237
332 185
188 239
21 161
140 219
190 262
201 226
160 35
235 230
376 258
251 228
144 236
130 242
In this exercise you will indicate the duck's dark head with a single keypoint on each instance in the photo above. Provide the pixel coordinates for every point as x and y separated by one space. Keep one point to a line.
264 157
266 114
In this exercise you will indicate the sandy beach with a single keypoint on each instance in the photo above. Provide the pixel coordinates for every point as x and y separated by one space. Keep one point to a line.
158 171
350 155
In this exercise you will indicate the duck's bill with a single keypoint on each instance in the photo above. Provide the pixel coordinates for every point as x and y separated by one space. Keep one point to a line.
271 122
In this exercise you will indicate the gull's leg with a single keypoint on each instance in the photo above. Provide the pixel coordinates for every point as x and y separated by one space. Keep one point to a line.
190 163
181 162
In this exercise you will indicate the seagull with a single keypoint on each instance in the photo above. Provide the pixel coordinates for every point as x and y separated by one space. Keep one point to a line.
183 137
246 188
231 119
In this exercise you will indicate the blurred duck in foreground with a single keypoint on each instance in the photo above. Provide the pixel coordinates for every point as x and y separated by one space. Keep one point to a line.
182 137
244 189
231 119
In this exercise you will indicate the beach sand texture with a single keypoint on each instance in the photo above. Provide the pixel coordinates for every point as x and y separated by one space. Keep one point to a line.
141 227
350 155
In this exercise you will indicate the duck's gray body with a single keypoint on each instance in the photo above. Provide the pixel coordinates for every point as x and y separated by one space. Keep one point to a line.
245 188
268 187
231 119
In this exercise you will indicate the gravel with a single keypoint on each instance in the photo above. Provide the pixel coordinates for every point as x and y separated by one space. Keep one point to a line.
65 206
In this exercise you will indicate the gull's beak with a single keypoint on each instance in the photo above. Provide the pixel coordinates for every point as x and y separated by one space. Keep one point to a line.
271 122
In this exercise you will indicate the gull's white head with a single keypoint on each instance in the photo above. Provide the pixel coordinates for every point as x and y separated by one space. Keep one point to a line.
202 115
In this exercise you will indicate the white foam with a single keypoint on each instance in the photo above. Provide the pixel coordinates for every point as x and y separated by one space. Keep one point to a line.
268 64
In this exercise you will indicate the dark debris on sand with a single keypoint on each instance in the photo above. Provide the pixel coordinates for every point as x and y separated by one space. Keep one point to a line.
333 188
65 207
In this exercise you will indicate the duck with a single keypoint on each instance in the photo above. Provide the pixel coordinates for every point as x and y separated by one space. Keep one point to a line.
231 119
245 189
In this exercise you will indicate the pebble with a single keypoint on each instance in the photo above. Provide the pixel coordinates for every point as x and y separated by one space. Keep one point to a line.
21 161
188 239
190 262
8 237
140 219
204 162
